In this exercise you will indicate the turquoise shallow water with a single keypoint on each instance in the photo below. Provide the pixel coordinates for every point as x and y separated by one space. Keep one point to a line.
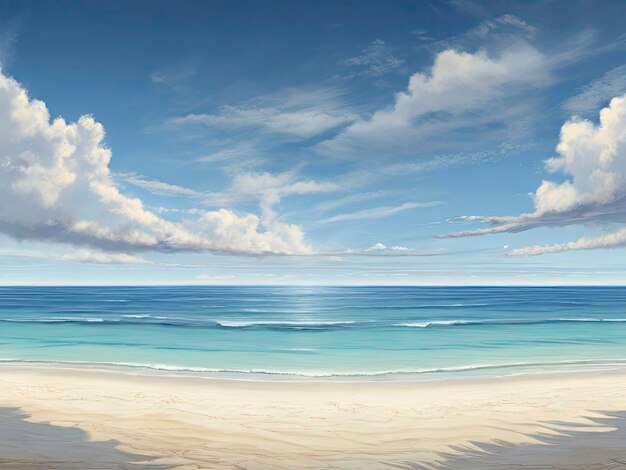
378 333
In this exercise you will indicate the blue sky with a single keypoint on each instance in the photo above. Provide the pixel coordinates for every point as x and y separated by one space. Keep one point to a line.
329 142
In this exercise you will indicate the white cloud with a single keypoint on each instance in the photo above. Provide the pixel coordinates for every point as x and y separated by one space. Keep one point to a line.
375 60
593 157
350 198
177 76
214 278
462 90
237 153
367 176
9 32
598 92
87 256
609 240
156 186
470 7
170 210
380 249
422 35
55 185
80 256
487 27
302 123
378 212
270 189
376 247
293 113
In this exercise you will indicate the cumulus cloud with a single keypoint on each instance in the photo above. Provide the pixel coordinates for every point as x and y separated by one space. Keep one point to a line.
56 185
593 158
450 97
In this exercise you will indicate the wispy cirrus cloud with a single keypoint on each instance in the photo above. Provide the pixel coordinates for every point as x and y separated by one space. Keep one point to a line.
178 76
293 114
266 188
375 60
380 249
158 187
336 202
79 256
503 30
9 33
598 92
495 25
378 212
302 123
422 34
269 189
609 240
366 176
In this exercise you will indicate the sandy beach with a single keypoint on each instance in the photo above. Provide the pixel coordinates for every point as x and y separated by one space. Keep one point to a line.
191 423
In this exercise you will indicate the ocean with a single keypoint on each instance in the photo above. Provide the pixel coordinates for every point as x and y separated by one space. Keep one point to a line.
317 333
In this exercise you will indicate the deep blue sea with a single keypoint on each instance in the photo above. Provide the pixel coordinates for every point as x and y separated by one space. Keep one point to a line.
376 333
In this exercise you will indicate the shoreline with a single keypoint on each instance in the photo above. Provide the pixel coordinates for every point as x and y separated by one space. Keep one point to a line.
460 373
194 422
154 374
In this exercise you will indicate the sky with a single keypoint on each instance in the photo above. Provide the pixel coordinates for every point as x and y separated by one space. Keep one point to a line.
449 142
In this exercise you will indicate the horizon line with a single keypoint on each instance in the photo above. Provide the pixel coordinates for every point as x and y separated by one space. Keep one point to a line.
312 285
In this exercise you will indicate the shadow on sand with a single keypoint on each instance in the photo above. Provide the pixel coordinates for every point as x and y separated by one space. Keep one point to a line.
599 445
35 446
586 447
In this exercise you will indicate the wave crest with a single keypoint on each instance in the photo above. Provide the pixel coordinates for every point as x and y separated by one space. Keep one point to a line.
194 370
